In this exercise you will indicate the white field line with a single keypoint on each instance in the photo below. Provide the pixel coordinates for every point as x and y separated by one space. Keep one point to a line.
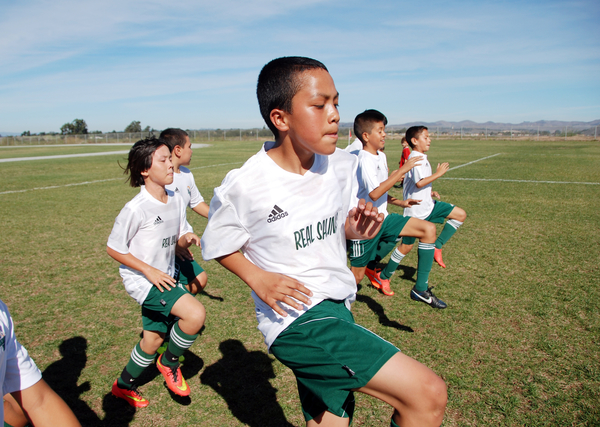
62 156
474 161
510 180
65 156
100 180
523 180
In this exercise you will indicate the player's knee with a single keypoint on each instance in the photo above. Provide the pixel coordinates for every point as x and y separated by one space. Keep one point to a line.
460 214
429 233
437 394
198 284
196 317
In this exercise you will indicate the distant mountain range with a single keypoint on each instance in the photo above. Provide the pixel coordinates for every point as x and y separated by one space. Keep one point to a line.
543 125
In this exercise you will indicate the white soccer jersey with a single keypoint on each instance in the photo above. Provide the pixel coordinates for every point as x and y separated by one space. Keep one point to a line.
17 370
372 171
149 230
410 190
289 224
184 185
355 147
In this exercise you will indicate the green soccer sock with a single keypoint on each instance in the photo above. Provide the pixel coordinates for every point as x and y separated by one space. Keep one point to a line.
392 265
180 342
425 260
447 232
138 361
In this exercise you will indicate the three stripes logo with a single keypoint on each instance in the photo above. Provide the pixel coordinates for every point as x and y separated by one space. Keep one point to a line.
276 214
158 220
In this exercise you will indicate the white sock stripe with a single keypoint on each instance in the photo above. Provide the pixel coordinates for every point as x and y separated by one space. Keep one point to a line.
139 359
454 223
180 341
397 256
427 246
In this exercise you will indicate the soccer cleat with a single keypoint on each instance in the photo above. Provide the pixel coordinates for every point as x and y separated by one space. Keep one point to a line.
437 256
378 283
175 381
133 397
427 297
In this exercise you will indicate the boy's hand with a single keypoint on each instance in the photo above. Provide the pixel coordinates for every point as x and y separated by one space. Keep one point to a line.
182 248
274 287
363 221
409 202
410 163
442 169
436 195
159 279
269 287
187 240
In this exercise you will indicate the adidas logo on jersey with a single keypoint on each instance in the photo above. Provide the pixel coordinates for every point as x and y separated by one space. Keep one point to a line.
158 220
276 214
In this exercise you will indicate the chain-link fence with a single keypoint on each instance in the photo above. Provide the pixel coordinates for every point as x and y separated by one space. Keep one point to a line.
130 138
393 132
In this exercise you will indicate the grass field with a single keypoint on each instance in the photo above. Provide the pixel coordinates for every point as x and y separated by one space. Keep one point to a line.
519 344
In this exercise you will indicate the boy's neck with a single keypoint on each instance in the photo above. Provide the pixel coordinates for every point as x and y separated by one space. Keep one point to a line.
156 191
370 149
418 151
176 164
291 158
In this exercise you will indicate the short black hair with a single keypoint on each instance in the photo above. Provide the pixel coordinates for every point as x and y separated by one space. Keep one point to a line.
174 137
140 158
365 121
278 83
414 132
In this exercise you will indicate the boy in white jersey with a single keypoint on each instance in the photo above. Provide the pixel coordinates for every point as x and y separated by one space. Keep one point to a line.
289 210
143 240
374 184
31 399
191 274
417 183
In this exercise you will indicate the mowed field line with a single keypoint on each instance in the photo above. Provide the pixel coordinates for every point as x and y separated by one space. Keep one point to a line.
100 180
509 180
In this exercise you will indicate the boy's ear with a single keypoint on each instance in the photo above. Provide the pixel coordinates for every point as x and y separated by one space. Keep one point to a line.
144 174
279 119
177 150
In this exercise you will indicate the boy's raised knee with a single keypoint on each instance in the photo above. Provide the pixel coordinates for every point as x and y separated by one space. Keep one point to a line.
436 393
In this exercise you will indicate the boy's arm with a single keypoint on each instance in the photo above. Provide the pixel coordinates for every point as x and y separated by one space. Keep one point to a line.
44 407
201 209
402 203
270 287
363 221
394 177
154 275
441 170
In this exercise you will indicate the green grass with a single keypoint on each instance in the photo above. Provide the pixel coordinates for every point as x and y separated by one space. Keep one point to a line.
518 345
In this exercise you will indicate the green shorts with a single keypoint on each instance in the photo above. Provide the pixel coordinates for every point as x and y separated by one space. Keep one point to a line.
438 215
361 252
156 309
186 271
330 356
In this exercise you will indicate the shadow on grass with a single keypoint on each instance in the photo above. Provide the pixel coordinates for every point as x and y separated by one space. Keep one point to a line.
203 292
62 376
242 379
408 273
380 312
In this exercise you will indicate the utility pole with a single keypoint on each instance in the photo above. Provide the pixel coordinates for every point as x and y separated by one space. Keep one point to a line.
565 133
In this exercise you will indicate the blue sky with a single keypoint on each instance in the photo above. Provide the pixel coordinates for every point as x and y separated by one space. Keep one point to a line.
194 64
